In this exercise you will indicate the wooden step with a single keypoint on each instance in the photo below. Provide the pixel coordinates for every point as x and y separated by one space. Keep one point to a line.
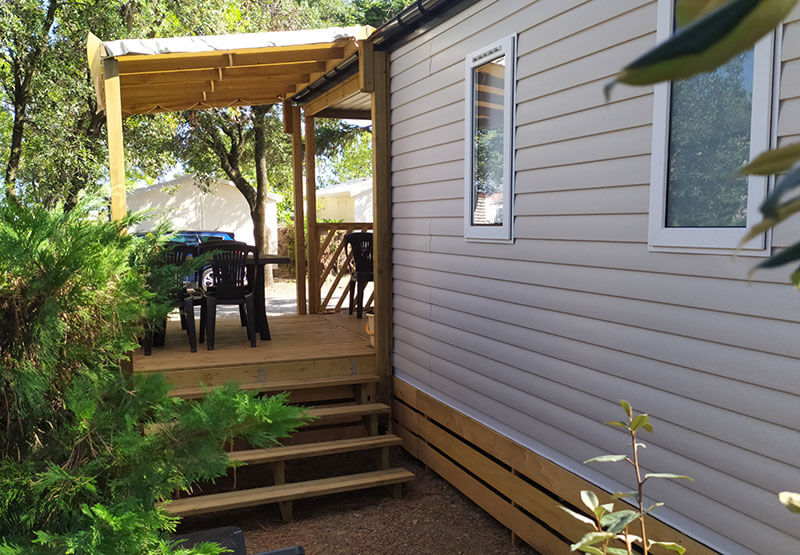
285 492
282 385
346 411
307 450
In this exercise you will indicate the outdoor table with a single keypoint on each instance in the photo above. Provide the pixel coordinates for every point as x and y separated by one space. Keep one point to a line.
259 286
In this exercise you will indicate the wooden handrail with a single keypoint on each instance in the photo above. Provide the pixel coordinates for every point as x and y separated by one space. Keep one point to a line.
328 234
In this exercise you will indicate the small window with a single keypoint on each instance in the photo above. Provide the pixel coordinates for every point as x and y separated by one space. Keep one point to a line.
489 145
704 128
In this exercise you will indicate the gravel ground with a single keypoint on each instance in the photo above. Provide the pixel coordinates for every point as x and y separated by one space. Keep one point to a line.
430 518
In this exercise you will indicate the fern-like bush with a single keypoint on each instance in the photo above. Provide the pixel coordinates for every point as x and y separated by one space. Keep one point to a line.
78 472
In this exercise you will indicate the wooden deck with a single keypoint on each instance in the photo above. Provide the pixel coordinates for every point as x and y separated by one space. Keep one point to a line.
312 345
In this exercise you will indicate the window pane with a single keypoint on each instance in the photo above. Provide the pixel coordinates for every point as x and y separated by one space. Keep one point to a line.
488 82
709 138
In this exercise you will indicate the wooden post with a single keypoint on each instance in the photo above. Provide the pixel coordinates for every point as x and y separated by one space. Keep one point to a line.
116 155
311 201
299 235
382 221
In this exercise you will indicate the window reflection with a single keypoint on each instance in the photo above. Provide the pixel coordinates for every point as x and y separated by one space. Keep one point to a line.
487 142
710 118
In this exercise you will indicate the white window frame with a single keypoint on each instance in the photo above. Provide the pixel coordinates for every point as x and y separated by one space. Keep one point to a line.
502 233
712 240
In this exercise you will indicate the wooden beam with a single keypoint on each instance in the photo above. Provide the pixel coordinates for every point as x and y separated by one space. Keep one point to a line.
239 84
192 95
335 113
382 219
116 153
224 59
311 218
287 116
366 59
348 87
299 238
199 75
153 108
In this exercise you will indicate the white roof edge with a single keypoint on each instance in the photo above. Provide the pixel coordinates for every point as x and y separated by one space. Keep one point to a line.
211 43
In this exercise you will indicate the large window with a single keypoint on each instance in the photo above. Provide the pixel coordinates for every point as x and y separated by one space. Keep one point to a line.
706 127
488 171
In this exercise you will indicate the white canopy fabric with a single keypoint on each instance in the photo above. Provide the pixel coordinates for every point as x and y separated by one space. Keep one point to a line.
211 43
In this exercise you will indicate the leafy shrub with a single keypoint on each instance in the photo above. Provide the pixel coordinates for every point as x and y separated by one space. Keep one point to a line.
77 470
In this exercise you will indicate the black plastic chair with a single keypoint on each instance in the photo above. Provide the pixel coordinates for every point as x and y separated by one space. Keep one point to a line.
230 286
360 245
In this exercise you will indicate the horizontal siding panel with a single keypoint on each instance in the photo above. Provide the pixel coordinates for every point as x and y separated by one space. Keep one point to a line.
450 189
517 369
445 171
421 243
621 256
764 300
604 64
635 112
441 153
443 80
619 200
790 49
429 138
629 142
406 105
790 79
727 393
434 208
423 117
594 27
411 226
631 170
787 120
594 227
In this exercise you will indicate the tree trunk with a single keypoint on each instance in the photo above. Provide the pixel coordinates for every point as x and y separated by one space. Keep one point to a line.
261 231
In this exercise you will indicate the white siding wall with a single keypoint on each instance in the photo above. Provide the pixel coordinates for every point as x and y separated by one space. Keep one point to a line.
540 339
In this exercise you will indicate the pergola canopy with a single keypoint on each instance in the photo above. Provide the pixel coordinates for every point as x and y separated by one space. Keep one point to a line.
181 73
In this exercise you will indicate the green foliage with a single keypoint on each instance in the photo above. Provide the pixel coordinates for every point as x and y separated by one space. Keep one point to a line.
88 452
344 152
608 525
370 12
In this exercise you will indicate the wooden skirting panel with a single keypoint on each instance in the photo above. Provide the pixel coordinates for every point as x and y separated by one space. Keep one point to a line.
519 488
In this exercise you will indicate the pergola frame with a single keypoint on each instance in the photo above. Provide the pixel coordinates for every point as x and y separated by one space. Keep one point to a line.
176 81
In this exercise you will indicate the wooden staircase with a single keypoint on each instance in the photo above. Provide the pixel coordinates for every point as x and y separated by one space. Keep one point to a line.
346 420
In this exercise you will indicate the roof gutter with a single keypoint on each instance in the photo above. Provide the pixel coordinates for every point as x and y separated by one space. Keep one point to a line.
413 20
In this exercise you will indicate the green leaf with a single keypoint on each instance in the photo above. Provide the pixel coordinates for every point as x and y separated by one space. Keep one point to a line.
578 516
795 277
769 208
777 160
590 539
617 423
591 550
626 406
590 499
671 546
606 458
687 11
790 500
624 494
618 521
639 421
708 42
616 551
653 506
785 256
667 476
785 211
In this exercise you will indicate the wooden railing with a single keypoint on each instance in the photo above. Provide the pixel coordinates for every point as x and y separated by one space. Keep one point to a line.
332 265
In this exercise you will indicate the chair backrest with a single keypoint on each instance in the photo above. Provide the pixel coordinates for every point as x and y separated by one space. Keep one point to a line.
176 254
230 267
360 244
